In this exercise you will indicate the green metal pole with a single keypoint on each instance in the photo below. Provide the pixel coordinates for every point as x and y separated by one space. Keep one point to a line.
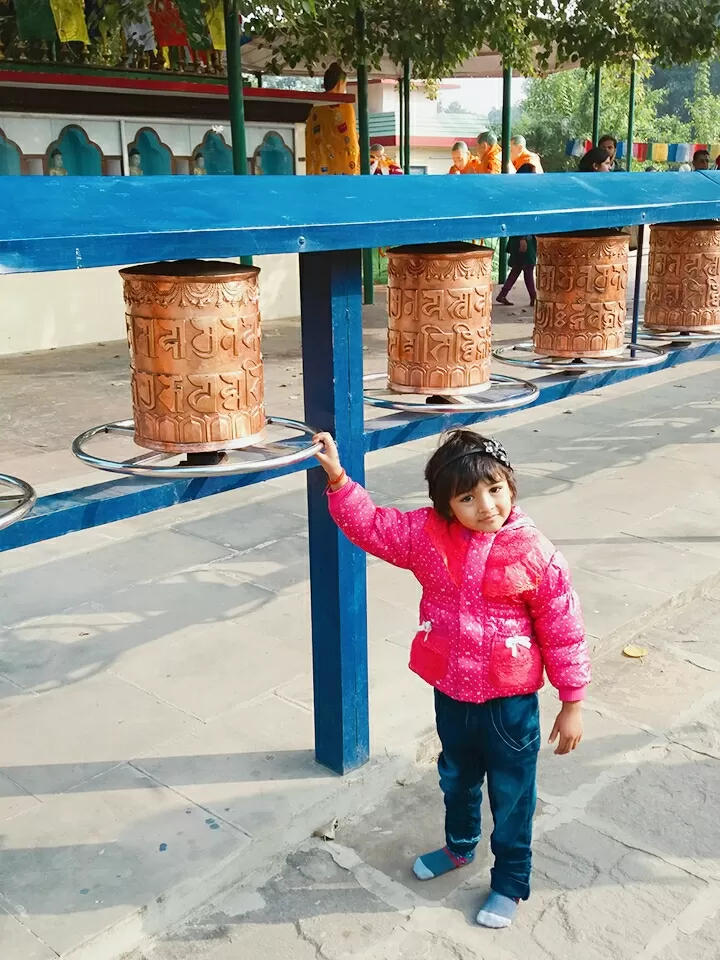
596 107
364 130
406 104
631 114
235 87
506 133
235 93
401 121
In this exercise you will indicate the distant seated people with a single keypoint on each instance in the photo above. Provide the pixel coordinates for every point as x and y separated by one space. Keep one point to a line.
596 160
489 153
380 164
701 160
610 144
520 155
462 160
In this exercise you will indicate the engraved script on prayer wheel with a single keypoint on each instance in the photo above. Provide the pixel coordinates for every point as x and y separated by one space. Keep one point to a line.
683 288
439 302
194 335
581 286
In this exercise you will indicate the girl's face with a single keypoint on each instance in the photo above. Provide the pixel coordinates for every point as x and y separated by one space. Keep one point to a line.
604 167
484 509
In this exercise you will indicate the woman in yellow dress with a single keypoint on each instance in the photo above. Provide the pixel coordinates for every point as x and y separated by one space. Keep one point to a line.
331 139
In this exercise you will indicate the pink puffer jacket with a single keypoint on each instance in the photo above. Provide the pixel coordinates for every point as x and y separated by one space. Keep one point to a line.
497 609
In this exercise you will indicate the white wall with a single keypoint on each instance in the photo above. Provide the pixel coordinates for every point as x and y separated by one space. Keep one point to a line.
41 311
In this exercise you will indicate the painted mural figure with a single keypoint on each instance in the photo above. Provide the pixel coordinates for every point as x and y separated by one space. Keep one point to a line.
331 138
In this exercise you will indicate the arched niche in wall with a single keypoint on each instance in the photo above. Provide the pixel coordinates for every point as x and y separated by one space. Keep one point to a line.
273 157
213 156
148 156
74 154
10 157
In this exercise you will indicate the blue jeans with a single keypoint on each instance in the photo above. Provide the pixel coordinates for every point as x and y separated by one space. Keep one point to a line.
499 739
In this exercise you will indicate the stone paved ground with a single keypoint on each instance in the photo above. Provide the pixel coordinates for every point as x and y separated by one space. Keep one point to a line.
627 852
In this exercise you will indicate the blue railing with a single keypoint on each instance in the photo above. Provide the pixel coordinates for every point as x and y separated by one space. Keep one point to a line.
71 223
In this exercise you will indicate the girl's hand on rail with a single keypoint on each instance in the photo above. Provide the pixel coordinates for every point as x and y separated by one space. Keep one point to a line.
329 460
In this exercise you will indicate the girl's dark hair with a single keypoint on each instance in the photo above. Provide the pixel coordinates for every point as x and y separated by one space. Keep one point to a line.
458 465
527 168
596 155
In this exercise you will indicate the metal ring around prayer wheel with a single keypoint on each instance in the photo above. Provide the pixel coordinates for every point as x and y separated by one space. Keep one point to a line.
439 303
581 286
683 288
21 500
194 336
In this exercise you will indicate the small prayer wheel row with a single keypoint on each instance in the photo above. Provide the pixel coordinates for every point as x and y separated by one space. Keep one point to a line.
194 326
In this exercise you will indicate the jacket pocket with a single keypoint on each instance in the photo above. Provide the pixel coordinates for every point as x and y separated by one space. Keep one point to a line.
516 664
429 655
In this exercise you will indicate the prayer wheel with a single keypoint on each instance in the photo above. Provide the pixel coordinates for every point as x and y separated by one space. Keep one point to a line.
581 286
439 303
197 375
683 288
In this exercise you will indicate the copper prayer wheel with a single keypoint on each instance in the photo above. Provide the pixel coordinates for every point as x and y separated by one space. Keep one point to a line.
439 302
683 288
581 286
197 375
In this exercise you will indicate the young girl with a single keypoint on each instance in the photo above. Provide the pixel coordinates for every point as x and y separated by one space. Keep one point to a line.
497 609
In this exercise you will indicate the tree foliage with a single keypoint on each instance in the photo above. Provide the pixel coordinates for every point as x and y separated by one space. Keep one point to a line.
663 31
704 108
435 35
559 108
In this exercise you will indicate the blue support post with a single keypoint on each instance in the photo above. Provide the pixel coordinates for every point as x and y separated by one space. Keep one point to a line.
331 309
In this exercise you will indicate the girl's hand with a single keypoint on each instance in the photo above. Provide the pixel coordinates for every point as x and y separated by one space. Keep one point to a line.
523 245
568 727
329 458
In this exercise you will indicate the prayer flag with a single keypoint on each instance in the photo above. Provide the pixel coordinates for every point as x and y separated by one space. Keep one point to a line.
196 26
70 20
140 35
168 27
216 23
35 20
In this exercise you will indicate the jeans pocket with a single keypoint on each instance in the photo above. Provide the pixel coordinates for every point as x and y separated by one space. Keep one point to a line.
516 721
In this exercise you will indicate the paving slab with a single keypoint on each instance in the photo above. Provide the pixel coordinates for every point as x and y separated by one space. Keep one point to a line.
258 788
668 806
18 943
117 843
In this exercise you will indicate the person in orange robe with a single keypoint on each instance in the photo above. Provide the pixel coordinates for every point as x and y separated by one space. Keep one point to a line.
520 155
463 161
331 137
489 153
382 164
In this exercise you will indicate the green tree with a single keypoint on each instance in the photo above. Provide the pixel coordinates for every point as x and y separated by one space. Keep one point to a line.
455 107
559 108
704 108
662 31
